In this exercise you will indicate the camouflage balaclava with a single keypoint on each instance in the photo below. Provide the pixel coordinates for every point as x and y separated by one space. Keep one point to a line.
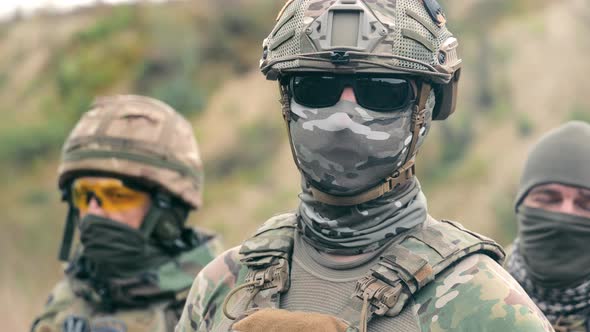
345 149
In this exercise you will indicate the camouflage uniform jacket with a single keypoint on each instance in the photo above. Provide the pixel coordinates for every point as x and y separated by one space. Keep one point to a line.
163 291
475 294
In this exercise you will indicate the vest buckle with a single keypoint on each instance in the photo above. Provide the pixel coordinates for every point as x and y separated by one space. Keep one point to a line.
380 294
274 276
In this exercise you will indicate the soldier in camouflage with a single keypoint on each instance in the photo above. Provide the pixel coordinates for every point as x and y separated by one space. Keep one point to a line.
361 82
130 173
549 258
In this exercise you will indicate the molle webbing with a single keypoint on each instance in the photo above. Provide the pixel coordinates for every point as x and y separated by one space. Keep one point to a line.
271 242
407 266
267 255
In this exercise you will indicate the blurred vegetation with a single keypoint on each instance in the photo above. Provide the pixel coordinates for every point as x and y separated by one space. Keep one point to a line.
503 206
175 53
580 112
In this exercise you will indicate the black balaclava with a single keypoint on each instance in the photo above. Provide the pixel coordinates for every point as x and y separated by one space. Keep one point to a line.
115 250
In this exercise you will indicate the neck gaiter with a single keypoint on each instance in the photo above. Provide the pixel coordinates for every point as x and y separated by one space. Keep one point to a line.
554 247
115 250
362 228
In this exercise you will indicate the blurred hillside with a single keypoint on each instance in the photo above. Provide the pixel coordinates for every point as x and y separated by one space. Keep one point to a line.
525 71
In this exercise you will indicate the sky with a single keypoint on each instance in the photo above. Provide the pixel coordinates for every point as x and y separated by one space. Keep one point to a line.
8 7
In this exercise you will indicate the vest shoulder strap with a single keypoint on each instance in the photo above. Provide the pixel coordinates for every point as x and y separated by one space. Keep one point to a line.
267 255
271 242
409 265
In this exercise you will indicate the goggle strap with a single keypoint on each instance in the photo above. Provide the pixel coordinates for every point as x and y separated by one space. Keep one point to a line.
418 118
286 105
285 102
68 236
151 220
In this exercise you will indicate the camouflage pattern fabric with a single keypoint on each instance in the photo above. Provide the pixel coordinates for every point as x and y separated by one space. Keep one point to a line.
74 302
397 36
362 228
387 8
473 295
137 137
345 148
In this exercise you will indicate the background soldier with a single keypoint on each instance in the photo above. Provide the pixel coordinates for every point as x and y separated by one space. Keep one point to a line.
360 83
549 257
130 173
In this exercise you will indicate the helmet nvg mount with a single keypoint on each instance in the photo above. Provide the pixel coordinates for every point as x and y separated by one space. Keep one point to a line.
143 140
396 37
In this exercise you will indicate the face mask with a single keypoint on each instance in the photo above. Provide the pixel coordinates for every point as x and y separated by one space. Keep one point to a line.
345 149
115 250
554 246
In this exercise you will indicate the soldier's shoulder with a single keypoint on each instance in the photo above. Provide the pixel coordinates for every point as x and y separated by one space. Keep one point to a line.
60 298
61 295
477 294
208 291
226 266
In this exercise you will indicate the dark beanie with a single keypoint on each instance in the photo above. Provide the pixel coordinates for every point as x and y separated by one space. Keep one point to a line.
561 156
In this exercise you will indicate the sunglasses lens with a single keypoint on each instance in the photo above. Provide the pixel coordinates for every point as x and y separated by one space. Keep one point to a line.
383 94
316 91
110 194
380 94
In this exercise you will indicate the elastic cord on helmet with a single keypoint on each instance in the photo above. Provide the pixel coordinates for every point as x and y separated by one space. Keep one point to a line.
68 235
355 58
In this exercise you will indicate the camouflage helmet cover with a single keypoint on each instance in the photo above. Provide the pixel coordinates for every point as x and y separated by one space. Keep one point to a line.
137 137
403 37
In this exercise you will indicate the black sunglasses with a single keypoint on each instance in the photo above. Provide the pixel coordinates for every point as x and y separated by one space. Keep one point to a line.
382 94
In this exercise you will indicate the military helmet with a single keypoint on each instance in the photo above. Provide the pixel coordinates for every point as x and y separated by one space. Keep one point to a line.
137 137
400 37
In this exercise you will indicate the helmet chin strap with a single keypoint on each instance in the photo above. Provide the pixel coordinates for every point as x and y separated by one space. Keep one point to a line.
400 176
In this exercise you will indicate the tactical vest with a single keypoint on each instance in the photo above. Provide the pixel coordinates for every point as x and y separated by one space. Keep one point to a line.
410 263
69 308
151 302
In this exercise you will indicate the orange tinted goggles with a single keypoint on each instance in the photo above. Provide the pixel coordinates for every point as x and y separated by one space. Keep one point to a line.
110 194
